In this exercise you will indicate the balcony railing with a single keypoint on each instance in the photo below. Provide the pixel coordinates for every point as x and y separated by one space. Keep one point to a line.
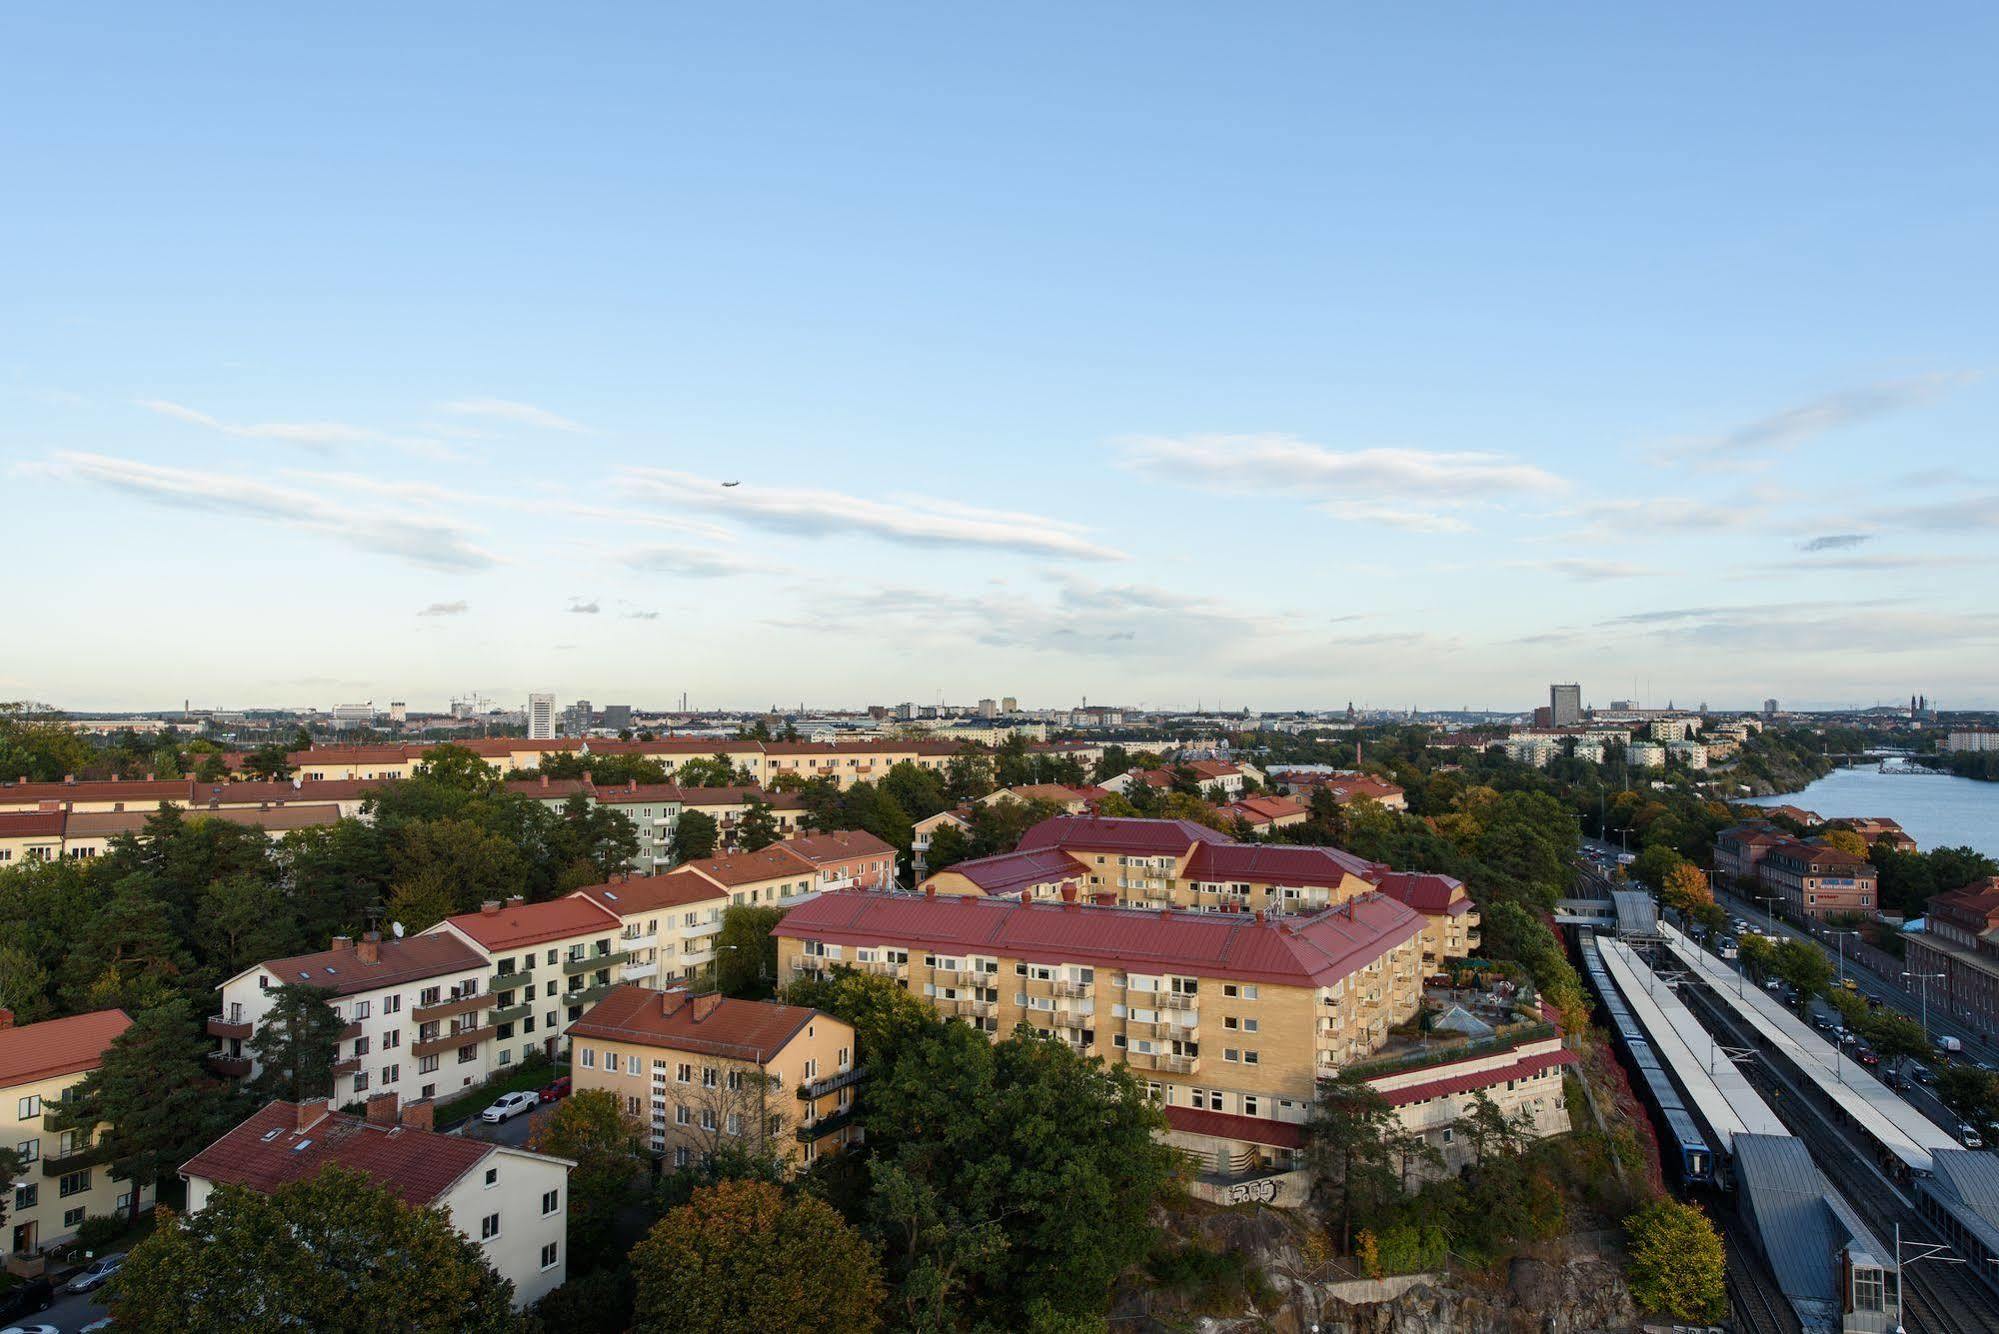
883 968
351 1031
352 1065
445 1042
220 1027
590 963
1064 987
824 1126
637 972
451 1007
510 1013
590 995
814 1089
1165 1060
1071 1019
633 944
61 1164
699 930
229 1067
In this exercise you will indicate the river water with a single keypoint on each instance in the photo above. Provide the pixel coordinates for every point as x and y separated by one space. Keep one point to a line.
1938 810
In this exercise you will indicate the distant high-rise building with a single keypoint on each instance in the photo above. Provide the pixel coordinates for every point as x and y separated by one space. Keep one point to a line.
576 718
541 717
988 708
399 712
617 717
1565 705
1769 708
1008 704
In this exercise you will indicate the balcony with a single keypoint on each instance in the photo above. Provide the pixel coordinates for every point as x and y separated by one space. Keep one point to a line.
633 944
1074 1019
824 1126
519 977
589 995
819 1088
451 1007
75 1160
638 972
220 1027
1164 1060
1063 987
352 1065
883 968
351 1031
700 930
590 963
509 1014
445 1042
229 1067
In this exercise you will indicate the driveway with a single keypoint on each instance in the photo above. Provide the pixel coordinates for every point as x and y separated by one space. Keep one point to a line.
513 1133
70 1314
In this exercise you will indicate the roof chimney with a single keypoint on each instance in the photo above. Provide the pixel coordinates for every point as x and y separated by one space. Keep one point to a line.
371 947
420 1115
312 1111
1259 917
1027 896
6 1018
1165 914
343 942
515 901
1068 891
672 999
489 908
930 891
382 1109
69 778
706 1005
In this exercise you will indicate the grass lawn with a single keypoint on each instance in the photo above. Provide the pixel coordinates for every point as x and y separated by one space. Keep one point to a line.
474 1100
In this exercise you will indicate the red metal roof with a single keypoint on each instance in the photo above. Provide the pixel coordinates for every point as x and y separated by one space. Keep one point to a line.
150 792
1478 1079
1427 893
57 1046
411 959
1293 951
1151 838
1244 1129
748 868
31 824
1011 872
1277 863
417 1165
648 893
838 845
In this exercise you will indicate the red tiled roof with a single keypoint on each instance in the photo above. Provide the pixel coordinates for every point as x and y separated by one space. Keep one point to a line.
417 1165
648 893
1427 893
31 824
1294 951
1011 872
1243 1129
149 791
1276 863
1156 838
742 1029
57 1046
1259 809
515 925
837 845
1479 1079
292 815
410 959
748 868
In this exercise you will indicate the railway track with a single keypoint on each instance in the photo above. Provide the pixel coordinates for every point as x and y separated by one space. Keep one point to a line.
1755 1303
1938 1296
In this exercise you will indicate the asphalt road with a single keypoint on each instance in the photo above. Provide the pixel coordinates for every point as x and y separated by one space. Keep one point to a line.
69 1314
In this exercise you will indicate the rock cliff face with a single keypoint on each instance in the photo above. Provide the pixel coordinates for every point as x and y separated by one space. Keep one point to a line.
1581 1295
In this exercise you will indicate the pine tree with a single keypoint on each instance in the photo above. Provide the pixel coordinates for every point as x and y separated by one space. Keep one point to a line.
296 1045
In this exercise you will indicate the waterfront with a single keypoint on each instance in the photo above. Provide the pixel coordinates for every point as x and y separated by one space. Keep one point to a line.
1938 810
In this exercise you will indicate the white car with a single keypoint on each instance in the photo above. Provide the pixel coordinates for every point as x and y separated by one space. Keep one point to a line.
30 1329
508 1106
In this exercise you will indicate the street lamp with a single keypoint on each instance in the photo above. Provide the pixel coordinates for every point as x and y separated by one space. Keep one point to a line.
1925 979
1841 936
1927 1250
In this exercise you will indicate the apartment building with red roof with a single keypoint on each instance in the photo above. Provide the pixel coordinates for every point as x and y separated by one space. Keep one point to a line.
1958 948
512 1204
1818 881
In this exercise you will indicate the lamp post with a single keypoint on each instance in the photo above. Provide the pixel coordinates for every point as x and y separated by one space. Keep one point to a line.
1841 936
1925 978
1926 1250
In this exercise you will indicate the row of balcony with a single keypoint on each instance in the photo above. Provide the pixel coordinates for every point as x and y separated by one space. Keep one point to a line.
1170 1062
445 1042
61 1164
814 1089
826 1125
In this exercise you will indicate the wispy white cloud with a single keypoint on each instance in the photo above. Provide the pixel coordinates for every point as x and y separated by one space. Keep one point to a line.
1652 516
1834 542
1392 516
507 410
1967 514
691 561
1792 426
1586 568
446 609
580 607
424 539
909 520
320 435
1284 464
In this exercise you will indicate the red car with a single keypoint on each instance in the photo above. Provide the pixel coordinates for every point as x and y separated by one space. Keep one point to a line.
1869 1058
557 1091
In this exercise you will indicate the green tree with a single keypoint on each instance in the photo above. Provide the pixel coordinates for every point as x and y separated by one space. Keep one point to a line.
758 828
272 763
457 857
250 920
38 748
455 767
967 777
11 1170
917 792
130 957
1357 1153
934 1251
886 1019
591 1129
336 1252
746 951
694 836
949 845
1677 1265
1758 955
154 1097
1804 965
718 770
212 769
296 1044
1970 1092
25 986
742 1258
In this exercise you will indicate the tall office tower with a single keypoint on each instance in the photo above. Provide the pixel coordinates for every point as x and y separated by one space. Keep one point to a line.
1769 708
541 717
1565 703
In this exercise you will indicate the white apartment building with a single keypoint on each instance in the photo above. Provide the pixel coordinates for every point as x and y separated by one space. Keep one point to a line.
1645 755
541 717
510 1203
1694 753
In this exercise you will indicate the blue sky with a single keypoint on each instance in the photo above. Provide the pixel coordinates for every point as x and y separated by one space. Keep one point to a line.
1144 353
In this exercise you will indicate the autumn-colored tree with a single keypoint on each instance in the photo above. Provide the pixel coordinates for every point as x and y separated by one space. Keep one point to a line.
740 1257
590 1129
1846 841
1686 888
1677 1268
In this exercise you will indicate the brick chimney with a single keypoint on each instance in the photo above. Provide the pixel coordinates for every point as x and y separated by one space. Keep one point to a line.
544 780
490 908
420 1115
1259 917
930 891
1105 898
1027 896
706 1005
342 943
6 1018
1068 891
672 999
312 1111
516 901
371 947
382 1109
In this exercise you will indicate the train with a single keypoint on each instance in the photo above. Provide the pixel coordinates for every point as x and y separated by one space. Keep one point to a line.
1686 1144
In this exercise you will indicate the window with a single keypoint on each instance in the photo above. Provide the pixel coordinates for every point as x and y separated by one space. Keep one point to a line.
30 1107
1249 1105
391 1073
30 1150
426 1064
360 1081
685 1074
634 1065
362 1009
1249 1058
709 1077
590 1059
27 1197
489 1227
681 1156
492 1177
74 1183
74 1217
707 1118
735 1125
548 1255
468 1053
551 1200
680 1116
392 1005
392 1039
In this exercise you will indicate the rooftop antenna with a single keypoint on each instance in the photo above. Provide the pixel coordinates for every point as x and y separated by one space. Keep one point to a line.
397 927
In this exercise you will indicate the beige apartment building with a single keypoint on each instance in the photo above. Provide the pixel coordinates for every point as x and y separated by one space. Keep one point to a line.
1230 1021
511 1204
1181 864
783 874
706 1072
30 836
62 1181
668 926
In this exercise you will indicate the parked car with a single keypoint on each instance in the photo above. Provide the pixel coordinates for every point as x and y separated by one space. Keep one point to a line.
30 1329
1921 1074
1774 984
1944 1042
1823 1023
1726 947
1969 1138
35 1294
556 1091
95 1274
1867 1056
508 1106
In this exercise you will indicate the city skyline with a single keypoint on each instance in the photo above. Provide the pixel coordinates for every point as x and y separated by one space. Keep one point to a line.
1272 365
